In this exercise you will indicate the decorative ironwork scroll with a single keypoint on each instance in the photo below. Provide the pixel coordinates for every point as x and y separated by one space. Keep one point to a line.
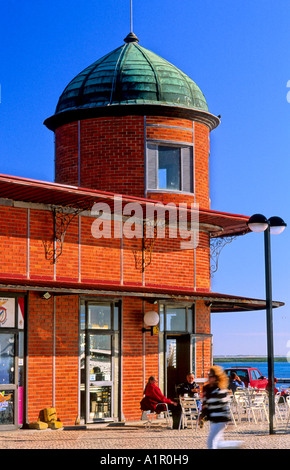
216 246
150 231
62 219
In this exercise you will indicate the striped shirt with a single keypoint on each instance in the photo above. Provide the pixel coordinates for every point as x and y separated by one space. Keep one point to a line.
215 405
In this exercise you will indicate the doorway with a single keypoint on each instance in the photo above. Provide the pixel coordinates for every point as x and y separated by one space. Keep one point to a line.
175 346
11 361
178 361
99 342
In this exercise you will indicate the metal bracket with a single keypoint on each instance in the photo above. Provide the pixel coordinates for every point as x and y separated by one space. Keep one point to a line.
143 261
53 249
216 246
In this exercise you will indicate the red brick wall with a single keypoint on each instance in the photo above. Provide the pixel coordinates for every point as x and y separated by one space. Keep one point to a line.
13 242
203 348
67 266
67 154
112 159
135 372
201 162
67 357
169 130
40 350
40 356
202 253
132 351
41 232
170 265
100 260
201 158
97 261
111 154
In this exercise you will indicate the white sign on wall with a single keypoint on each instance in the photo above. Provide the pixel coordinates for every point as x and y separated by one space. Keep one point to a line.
7 312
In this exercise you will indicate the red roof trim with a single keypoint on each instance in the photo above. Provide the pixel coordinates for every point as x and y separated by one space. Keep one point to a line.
42 192
219 302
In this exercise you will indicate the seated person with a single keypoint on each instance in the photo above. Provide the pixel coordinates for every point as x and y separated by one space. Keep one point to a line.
275 389
153 397
189 387
235 382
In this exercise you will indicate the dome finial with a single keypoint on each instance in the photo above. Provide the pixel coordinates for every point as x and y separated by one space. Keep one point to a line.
131 37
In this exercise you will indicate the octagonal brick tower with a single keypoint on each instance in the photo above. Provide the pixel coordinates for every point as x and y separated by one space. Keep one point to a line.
132 123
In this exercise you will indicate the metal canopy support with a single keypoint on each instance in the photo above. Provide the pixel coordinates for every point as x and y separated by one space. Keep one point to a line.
150 232
216 246
62 219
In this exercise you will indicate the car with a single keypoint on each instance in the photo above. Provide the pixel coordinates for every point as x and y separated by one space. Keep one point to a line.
249 375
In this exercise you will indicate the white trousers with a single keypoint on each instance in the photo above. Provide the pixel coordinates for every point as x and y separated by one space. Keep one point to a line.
216 434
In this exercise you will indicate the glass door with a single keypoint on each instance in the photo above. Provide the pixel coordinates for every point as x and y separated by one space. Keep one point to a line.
8 389
11 361
100 367
99 361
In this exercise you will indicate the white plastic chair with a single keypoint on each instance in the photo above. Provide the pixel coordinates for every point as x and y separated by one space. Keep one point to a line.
250 401
152 414
288 410
258 404
231 406
278 414
242 404
190 410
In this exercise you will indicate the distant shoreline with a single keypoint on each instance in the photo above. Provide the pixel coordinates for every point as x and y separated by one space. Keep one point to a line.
247 359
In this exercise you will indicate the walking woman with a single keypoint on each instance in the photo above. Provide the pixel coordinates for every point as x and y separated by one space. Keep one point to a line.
215 406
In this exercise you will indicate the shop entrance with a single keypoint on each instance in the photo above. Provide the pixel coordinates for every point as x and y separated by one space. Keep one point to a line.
178 361
99 361
11 361
181 350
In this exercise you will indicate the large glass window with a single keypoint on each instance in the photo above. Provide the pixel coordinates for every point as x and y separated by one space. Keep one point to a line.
176 319
99 317
169 168
7 352
100 357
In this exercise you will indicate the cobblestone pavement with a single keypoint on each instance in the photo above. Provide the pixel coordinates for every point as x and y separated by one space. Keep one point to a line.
133 435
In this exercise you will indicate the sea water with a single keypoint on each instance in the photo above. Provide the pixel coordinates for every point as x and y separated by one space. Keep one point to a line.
281 369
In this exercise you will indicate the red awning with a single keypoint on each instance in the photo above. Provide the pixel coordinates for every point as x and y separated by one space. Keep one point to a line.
219 303
42 192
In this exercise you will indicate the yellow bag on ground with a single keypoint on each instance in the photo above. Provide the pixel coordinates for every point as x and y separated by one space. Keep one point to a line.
49 414
38 425
55 425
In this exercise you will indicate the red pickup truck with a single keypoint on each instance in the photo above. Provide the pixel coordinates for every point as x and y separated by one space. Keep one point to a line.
249 375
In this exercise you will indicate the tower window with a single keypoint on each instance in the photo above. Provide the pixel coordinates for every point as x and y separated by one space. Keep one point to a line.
169 168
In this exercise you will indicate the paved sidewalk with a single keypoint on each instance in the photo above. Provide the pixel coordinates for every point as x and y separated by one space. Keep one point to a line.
133 435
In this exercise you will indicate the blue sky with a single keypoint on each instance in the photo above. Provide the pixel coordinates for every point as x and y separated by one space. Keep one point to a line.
237 52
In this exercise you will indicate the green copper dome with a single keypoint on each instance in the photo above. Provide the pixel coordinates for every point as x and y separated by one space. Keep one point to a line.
131 74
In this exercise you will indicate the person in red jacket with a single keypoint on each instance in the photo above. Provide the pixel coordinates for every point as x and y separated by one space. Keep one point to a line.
154 401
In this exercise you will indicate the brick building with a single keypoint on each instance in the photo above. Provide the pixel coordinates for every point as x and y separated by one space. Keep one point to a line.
131 131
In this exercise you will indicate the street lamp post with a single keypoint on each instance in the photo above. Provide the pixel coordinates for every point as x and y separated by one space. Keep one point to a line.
273 225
